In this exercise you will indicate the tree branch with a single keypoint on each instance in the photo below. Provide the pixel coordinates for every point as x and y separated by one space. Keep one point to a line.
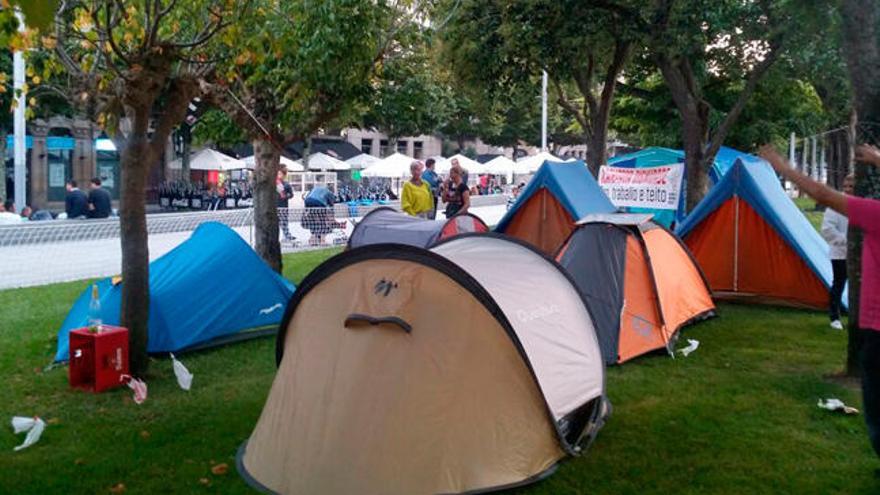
752 82
569 107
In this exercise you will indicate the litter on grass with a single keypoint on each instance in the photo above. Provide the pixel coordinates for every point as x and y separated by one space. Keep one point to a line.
184 377
833 404
34 426
139 387
692 346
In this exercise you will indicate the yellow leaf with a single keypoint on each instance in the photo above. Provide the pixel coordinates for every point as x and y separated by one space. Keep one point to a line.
32 101
36 79
49 42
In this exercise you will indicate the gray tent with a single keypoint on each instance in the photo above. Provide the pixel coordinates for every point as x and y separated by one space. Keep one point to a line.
387 225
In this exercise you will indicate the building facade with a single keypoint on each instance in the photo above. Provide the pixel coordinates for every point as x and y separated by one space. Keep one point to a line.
421 147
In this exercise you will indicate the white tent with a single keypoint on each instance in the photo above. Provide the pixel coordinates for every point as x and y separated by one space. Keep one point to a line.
396 165
292 166
322 161
500 165
363 160
531 164
209 159
472 167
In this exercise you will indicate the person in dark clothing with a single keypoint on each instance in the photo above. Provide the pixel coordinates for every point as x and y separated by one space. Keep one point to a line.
99 200
76 205
430 176
285 192
455 192
319 217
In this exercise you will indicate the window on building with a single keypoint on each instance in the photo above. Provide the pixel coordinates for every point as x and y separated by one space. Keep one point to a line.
401 147
367 146
418 150
383 148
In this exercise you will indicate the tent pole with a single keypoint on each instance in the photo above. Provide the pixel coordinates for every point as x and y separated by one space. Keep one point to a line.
544 111
20 160
736 244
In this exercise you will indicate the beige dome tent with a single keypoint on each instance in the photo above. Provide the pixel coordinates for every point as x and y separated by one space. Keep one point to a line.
382 389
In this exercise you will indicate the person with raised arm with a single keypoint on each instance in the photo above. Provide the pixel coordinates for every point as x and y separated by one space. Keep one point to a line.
862 213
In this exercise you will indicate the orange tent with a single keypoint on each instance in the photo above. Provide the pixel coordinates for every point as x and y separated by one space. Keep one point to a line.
638 280
754 244
546 211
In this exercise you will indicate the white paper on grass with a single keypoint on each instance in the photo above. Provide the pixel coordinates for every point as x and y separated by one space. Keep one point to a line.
34 426
837 405
184 377
693 344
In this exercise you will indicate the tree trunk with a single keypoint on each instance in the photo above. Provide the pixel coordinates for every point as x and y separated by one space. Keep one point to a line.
266 232
597 149
186 138
3 164
693 136
135 161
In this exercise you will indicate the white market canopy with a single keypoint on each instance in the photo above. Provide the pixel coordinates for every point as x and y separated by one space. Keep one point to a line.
500 165
323 161
531 164
471 166
363 160
396 165
209 159
292 166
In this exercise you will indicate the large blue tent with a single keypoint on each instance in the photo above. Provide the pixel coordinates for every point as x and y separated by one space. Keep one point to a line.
208 290
558 195
655 157
753 242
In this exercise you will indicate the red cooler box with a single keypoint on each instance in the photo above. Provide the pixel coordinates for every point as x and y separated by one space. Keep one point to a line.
97 360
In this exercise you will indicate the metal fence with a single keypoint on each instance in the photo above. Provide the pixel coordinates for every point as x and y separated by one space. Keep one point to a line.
43 252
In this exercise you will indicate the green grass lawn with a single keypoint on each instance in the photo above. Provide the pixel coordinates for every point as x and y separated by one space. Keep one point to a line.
808 207
737 416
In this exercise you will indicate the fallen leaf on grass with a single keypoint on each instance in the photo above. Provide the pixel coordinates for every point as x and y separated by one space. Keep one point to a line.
145 434
79 462
220 469
118 488
53 421
204 481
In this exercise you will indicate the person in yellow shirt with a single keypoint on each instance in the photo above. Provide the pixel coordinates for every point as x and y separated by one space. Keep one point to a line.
417 199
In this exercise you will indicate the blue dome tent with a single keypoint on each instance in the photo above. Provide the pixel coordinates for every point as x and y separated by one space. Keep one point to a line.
209 290
557 197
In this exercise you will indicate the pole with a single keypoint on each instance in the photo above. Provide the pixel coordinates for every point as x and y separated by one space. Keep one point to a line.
20 163
544 111
791 148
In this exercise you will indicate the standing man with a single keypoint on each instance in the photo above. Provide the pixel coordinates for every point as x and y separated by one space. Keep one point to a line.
834 227
864 214
76 205
282 187
433 180
99 200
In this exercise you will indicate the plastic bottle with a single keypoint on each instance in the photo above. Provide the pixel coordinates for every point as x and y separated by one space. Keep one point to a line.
95 311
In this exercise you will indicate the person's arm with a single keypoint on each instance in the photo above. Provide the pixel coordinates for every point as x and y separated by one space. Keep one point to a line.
868 154
823 194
